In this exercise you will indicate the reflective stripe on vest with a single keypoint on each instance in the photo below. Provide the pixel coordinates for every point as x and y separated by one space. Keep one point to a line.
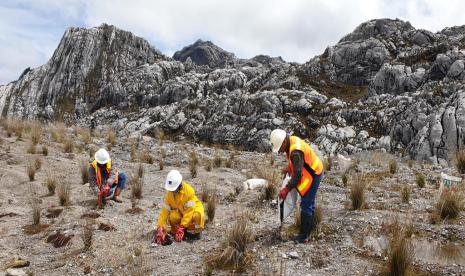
312 164
98 175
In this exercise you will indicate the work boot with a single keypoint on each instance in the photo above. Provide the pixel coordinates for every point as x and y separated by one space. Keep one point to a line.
306 226
117 199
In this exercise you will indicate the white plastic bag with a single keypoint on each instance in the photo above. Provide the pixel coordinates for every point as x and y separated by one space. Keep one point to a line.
287 206
254 183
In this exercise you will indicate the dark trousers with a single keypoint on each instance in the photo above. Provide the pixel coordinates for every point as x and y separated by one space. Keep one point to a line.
307 203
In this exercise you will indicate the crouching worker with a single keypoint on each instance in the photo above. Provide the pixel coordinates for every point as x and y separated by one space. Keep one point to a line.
105 180
182 209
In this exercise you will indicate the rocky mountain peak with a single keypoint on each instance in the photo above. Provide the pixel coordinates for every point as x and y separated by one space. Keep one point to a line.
205 53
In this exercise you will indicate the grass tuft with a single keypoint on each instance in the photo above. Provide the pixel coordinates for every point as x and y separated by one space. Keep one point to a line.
64 194
357 194
393 166
211 207
84 168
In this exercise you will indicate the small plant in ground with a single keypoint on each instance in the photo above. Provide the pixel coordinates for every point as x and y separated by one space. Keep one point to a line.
37 163
64 194
51 184
137 187
211 207
161 165
393 166
270 157
329 163
36 133
410 163
344 180
133 153
87 235
44 150
84 168
32 149
420 179
449 205
68 145
146 157
236 254
270 190
205 193
160 136
230 161
208 165
399 252
86 136
460 161
140 170
36 211
193 162
405 194
31 171
357 194
217 161
111 137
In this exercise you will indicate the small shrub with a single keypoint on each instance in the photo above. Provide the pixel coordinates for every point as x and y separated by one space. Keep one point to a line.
460 161
137 187
36 211
405 194
51 184
64 194
111 137
357 194
211 207
44 150
400 253
217 161
133 153
32 149
344 180
37 163
84 168
146 157
393 166
208 165
270 191
68 145
420 179
36 133
193 162
140 170
205 194
450 204
31 171
87 235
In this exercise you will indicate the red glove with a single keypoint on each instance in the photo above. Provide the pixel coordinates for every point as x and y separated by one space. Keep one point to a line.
106 190
180 233
161 236
283 193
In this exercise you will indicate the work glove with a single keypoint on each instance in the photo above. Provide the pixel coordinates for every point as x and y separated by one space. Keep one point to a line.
106 190
283 193
180 233
161 236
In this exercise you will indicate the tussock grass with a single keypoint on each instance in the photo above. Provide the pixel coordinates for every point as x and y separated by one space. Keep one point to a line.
160 136
137 187
32 149
51 184
229 163
193 162
399 251
31 171
68 145
36 211
208 165
405 194
449 205
217 160
211 207
420 180
36 133
271 175
393 166
357 194
64 194
44 150
133 152
37 163
204 195
235 253
140 170
111 137
146 157
460 161
344 180
328 163
84 169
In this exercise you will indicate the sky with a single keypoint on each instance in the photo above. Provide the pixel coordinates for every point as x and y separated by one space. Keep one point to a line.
296 30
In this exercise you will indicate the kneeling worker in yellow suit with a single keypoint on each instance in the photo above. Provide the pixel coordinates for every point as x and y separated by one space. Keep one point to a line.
181 208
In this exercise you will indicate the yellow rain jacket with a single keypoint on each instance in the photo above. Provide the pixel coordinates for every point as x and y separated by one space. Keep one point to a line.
186 204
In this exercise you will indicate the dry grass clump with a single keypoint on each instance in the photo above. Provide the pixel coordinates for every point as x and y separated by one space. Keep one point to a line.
32 149
405 194
111 137
87 235
64 194
217 160
133 152
230 161
68 145
37 163
44 150
270 157
204 194
84 168
146 157
399 251
137 186
208 165
211 207
328 163
420 180
344 180
140 170
36 211
235 253
36 133
31 171
193 162
460 161
160 136
357 194
57 132
272 176
393 166
449 205
86 136
51 184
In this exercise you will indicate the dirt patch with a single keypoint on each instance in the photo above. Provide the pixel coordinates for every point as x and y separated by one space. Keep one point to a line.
58 239
8 215
106 227
134 211
90 215
34 229
53 213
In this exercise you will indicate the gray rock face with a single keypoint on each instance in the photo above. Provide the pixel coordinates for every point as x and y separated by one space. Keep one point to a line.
385 86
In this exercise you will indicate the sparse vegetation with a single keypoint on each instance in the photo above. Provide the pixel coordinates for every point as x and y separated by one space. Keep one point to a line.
357 194
393 166
208 165
344 180
51 184
211 207
87 235
36 211
64 194
420 179
111 137
32 149
399 252
449 205
205 193
137 187
84 168
140 170
217 160
146 157
235 254
31 171
230 161
460 161
68 145
160 136
329 163
193 162
44 150
133 152
405 194
37 163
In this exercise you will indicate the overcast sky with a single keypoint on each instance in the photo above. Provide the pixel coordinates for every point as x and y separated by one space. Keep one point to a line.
296 30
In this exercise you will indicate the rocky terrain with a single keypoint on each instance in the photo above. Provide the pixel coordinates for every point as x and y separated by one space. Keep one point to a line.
385 86
347 242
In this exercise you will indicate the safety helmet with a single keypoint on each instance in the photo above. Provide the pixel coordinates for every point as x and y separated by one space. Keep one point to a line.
277 137
102 156
173 180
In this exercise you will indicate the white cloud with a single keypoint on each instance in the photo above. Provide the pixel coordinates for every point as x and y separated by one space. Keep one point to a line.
296 29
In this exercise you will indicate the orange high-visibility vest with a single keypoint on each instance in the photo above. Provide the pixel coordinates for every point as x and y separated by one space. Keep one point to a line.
312 164
98 175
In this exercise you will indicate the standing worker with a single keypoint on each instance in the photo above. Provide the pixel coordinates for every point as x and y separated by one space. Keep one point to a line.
305 169
181 208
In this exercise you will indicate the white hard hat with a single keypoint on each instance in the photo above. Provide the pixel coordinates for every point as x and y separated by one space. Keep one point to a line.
277 137
173 180
102 156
